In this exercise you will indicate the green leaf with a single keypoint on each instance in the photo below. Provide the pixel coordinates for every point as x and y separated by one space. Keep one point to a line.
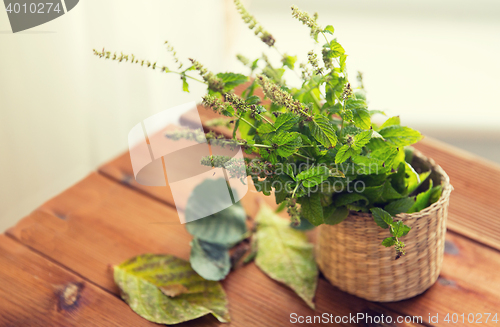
409 153
235 129
336 216
313 176
389 193
344 153
436 194
289 171
141 280
288 143
388 242
399 229
185 85
231 80
253 99
414 180
342 61
373 193
361 118
264 186
391 121
311 209
285 255
348 198
381 217
336 50
289 61
285 122
400 136
209 260
329 29
224 227
423 199
322 130
356 103
367 165
265 128
400 206
398 179
361 139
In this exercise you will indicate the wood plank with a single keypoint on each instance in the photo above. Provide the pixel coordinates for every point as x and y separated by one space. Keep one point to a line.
98 223
474 206
37 292
469 283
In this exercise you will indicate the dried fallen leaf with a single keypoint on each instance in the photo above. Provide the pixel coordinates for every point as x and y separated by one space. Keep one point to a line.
144 279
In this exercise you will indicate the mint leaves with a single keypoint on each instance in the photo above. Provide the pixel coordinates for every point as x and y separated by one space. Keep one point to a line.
397 228
316 146
322 130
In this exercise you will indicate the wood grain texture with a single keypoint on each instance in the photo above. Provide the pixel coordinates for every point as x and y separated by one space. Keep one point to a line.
36 292
98 223
474 205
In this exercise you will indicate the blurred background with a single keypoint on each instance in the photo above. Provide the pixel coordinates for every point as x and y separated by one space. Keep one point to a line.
63 112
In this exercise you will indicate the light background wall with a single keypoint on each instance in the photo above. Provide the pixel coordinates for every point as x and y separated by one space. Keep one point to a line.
63 112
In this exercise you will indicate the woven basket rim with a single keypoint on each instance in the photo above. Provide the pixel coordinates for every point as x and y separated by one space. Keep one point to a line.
445 182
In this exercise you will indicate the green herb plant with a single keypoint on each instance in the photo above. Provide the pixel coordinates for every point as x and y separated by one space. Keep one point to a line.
316 144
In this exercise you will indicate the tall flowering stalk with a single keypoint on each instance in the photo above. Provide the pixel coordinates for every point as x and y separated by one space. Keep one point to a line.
314 143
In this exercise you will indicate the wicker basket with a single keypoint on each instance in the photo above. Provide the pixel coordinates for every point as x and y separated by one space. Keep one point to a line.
351 257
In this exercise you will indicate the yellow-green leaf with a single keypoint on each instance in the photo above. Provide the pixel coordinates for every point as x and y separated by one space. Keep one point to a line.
166 290
285 255
322 130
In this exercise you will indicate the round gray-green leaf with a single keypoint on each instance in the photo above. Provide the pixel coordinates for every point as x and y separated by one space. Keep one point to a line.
224 227
145 281
209 260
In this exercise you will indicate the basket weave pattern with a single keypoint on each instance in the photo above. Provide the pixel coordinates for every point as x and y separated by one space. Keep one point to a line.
351 256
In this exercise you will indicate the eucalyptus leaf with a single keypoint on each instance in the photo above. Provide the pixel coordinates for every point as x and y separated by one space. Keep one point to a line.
285 255
141 279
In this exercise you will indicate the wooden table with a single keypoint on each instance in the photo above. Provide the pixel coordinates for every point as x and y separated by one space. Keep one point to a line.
55 263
